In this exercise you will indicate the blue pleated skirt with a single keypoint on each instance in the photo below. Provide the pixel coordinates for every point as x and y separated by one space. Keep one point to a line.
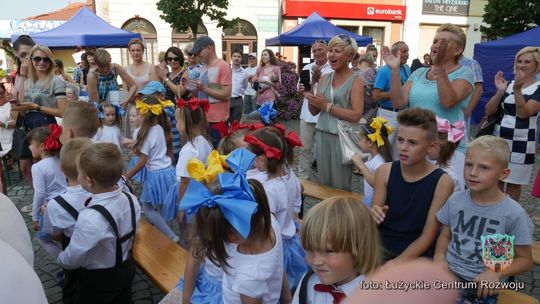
294 260
156 186
207 289
170 205
141 175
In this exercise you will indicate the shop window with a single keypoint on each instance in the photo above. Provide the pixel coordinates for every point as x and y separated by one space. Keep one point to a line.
243 36
182 39
149 35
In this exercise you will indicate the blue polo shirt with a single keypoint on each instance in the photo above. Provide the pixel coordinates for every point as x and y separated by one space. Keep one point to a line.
382 81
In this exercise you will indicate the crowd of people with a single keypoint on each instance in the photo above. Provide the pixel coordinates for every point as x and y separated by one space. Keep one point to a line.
232 185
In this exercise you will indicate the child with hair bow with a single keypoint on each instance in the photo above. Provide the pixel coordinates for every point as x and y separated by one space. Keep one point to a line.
231 138
448 138
110 116
192 125
233 230
265 112
373 139
154 149
275 153
48 180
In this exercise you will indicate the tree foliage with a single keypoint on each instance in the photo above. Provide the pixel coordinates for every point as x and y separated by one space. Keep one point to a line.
185 14
508 17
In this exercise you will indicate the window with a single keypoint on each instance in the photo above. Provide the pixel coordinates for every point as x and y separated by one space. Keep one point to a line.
242 36
377 33
149 35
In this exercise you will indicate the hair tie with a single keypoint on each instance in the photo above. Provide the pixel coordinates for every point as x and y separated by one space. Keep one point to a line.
378 124
455 131
270 152
256 126
52 142
224 131
156 109
193 103
237 202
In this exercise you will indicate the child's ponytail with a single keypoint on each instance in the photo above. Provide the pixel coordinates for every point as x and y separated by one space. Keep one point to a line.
192 113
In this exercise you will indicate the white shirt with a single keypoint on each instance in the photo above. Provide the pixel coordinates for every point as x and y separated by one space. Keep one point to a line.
6 135
257 276
239 82
109 134
295 189
155 148
18 280
281 205
135 133
56 220
13 230
305 114
48 181
316 297
199 148
254 173
251 71
372 164
93 243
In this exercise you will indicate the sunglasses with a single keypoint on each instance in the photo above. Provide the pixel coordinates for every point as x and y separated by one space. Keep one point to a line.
345 38
318 41
38 59
173 58
191 54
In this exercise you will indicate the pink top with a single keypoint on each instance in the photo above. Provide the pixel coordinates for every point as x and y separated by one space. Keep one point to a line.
266 93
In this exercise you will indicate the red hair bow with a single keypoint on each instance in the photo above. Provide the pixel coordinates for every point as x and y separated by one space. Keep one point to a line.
193 103
270 152
293 140
256 126
52 142
224 131
292 137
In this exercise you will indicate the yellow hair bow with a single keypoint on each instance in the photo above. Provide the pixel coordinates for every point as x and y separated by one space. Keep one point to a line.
156 109
378 123
216 165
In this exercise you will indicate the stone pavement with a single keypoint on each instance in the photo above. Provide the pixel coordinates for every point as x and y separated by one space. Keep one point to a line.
145 292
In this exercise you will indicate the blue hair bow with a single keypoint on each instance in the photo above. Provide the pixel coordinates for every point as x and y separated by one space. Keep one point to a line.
237 206
267 113
240 161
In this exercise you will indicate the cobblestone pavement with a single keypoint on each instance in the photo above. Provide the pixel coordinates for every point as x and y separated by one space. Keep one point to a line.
145 292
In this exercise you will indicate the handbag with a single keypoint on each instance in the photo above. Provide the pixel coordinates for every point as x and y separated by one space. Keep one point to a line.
19 145
349 136
487 124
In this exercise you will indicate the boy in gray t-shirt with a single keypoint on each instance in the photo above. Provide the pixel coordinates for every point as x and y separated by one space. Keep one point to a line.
484 211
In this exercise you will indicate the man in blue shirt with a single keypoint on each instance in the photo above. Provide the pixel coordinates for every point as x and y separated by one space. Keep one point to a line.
381 88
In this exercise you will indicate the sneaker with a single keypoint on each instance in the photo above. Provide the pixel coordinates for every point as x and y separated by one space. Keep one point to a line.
27 208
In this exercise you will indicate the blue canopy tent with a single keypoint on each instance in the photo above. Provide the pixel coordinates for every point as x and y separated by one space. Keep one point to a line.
85 29
314 28
499 55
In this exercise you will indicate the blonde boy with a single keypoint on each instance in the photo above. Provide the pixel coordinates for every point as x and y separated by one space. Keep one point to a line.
62 211
80 120
483 212
100 247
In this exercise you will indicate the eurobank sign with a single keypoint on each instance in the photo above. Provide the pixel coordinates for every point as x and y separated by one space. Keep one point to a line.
344 10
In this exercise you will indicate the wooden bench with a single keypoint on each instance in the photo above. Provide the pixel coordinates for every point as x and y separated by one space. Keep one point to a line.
536 253
322 192
512 297
159 257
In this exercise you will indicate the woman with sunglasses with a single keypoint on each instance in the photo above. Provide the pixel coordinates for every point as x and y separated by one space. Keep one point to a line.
41 97
339 96
173 80
102 78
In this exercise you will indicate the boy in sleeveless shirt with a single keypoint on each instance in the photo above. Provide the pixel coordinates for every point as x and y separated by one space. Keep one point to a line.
410 190
100 246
